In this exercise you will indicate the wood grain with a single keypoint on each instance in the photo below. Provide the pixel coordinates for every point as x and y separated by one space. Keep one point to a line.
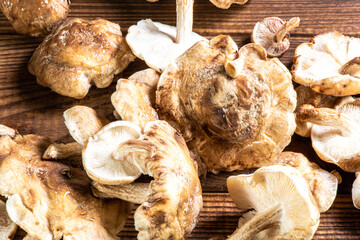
30 108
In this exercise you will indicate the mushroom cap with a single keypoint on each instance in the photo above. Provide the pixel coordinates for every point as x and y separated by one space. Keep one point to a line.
235 122
82 122
50 200
265 34
284 185
34 17
355 192
154 43
78 53
7 227
329 64
100 160
323 185
335 133
172 208
225 4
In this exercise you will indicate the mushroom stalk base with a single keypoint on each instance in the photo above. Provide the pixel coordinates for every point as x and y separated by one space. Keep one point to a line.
184 20
269 219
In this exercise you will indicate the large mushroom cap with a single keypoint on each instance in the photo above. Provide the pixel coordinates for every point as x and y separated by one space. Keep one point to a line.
34 17
323 185
7 227
329 64
155 43
99 158
335 133
239 113
50 200
269 189
78 53
272 34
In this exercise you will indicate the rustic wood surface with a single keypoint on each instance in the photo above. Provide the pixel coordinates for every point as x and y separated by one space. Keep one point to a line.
30 108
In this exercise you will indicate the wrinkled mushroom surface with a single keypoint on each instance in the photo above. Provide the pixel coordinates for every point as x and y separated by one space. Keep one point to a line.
335 133
50 200
34 17
282 200
323 185
272 33
235 122
329 64
79 53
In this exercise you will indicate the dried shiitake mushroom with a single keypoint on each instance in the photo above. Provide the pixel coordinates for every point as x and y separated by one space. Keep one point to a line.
7 227
355 191
34 17
234 107
50 200
159 44
329 64
335 133
227 3
272 33
78 53
282 200
323 185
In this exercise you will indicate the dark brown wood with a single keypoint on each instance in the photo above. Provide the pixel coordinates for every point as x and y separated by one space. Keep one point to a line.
30 108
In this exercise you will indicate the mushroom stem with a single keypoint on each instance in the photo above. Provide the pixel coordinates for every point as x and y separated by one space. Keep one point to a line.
63 151
260 222
6 131
286 28
184 20
133 192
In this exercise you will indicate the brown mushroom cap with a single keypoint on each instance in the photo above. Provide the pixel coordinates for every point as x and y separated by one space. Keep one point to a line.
323 185
335 133
50 200
78 53
329 64
34 17
235 122
272 34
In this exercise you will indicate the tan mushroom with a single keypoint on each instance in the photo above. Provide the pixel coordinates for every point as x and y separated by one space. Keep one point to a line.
284 205
63 151
329 64
159 44
34 17
323 185
78 53
225 4
7 227
355 191
272 33
236 107
50 200
335 132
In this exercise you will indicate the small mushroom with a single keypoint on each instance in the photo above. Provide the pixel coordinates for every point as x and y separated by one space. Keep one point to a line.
225 4
63 151
335 132
329 64
323 185
272 33
35 17
232 107
82 122
281 197
132 103
78 53
7 227
50 200
159 44
355 191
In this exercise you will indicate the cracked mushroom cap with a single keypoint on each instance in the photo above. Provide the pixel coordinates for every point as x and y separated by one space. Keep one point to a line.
79 53
323 185
273 34
50 200
172 208
154 43
238 112
329 64
34 17
335 133
7 227
281 197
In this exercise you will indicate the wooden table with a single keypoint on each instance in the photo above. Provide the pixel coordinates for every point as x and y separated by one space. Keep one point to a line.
30 108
